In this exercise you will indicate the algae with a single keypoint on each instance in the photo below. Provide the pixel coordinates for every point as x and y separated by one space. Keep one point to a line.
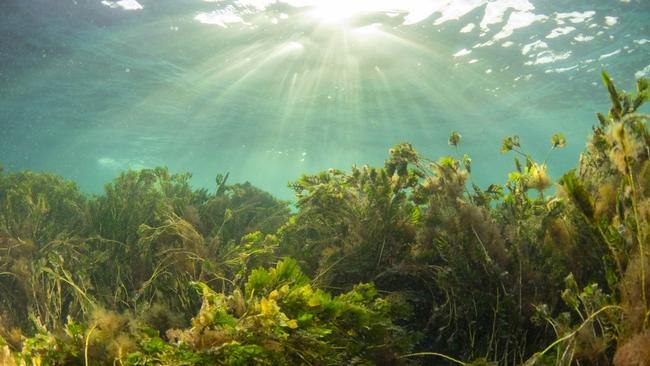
409 263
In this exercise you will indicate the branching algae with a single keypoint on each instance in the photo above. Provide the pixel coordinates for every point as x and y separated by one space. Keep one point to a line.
409 263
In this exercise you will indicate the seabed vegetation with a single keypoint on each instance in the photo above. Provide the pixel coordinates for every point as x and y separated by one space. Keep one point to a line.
406 264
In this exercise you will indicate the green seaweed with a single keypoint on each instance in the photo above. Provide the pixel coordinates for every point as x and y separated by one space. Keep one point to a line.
405 263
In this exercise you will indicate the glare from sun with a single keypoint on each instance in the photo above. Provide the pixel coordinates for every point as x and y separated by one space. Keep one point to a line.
339 11
332 12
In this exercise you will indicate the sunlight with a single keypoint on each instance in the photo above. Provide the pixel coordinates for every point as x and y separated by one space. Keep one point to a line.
339 11
335 11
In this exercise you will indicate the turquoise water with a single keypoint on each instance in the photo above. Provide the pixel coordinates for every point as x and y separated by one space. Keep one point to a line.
267 90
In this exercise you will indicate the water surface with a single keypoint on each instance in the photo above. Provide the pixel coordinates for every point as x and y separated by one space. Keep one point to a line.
267 90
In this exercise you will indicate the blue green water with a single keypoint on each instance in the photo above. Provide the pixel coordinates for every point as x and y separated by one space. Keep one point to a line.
267 90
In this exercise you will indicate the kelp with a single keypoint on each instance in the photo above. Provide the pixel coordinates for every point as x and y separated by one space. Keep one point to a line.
469 268
609 191
39 207
279 319
40 217
408 263
476 264
350 227
132 249
275 318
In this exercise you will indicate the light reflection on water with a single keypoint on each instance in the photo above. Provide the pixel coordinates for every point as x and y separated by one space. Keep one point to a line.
271 89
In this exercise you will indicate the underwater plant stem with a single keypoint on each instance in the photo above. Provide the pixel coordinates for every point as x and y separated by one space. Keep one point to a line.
612 250
87 343
381 252
522 153
495 311
320 274
520 279
418 354
70 282
548 155
639 237
485 252
568 336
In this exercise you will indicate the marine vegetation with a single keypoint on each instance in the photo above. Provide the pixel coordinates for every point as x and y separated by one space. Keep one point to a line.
406 264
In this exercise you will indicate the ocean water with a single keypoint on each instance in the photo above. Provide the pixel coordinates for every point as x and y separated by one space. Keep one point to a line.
270 89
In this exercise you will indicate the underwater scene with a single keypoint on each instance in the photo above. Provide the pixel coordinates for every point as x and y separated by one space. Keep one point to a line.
324 182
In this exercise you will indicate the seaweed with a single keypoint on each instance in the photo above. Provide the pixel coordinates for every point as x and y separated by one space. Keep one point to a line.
275 318
404 263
